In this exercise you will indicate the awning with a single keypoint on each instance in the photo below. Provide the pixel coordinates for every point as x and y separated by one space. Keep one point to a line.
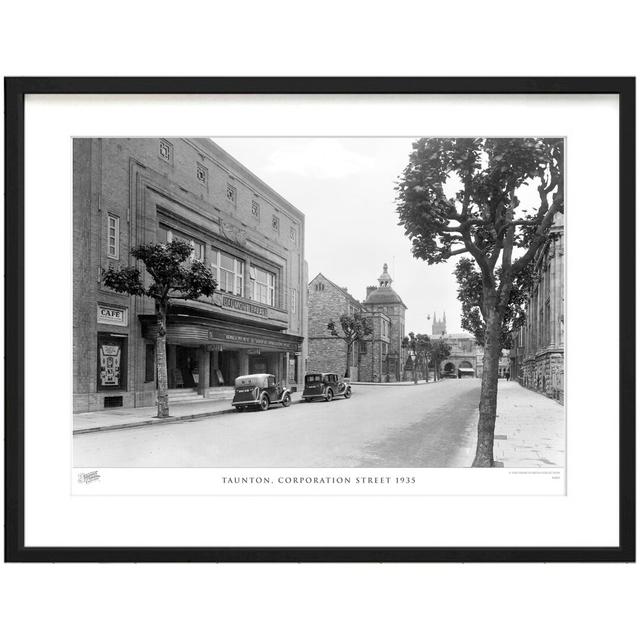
195 331
465 370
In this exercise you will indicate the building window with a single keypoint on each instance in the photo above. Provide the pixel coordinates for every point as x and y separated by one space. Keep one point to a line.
169 235
294 300
363 347
149 363
201 173
264 286
166 151
292 234
228 272
255 209
275 224
113 237
319 287
232 194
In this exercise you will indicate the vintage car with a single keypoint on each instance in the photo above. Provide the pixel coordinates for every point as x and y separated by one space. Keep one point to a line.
326 386
259 390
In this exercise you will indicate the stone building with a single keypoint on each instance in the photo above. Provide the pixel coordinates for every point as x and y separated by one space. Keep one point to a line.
377 358
392 357
129 191
537 355
466 356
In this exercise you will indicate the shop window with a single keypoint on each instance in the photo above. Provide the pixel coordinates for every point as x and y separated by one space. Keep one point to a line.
228 272
113 237
112 362
165 234
263 286
149 363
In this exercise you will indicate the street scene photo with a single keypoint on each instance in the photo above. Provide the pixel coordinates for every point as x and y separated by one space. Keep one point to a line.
318 303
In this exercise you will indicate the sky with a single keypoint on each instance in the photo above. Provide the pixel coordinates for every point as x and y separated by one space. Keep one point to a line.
345 188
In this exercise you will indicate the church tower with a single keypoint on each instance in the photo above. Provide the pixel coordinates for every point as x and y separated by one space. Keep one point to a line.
439 326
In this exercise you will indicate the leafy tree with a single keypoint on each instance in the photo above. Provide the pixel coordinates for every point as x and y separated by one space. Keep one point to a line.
172 278
440 351
462 196
354 328
420 344
470 296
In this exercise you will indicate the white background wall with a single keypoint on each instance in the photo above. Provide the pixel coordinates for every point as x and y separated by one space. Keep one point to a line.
331 601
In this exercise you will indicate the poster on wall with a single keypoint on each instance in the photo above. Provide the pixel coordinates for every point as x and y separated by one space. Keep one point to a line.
111 363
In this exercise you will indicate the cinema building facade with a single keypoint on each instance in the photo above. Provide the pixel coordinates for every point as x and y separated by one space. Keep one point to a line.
129 191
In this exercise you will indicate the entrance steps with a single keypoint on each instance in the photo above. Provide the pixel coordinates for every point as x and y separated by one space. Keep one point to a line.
185 396
182 396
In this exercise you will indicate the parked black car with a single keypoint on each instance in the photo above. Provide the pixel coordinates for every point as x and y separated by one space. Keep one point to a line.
259 390
325 385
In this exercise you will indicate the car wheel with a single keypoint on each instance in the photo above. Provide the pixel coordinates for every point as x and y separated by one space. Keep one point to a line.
329 395
286 401
264 402
347 394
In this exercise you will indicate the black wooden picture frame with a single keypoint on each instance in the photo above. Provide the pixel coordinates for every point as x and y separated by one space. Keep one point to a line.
16 89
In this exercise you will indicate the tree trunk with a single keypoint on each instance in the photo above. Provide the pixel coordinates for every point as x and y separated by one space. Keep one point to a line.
488 390
347 371
161 364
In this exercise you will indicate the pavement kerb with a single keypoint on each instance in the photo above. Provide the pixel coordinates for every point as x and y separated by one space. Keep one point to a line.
153 421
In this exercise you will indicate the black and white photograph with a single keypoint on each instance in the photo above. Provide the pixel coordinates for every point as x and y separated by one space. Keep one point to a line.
315 327
319 303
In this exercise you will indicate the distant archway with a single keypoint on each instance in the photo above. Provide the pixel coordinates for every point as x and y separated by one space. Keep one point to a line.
466 369
449 368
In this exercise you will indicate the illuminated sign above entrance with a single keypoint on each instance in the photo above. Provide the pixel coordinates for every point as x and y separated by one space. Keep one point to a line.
251 341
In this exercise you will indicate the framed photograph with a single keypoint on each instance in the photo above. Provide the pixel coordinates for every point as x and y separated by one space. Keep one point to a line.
320 319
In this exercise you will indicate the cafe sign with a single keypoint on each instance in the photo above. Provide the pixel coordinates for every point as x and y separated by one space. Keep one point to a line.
112 315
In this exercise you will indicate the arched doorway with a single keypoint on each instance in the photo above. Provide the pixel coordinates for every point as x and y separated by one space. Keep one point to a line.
449 370
465 369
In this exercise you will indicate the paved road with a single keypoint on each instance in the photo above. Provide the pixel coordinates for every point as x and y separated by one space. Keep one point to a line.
385 426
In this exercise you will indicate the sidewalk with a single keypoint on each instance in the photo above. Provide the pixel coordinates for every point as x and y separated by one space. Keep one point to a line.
530 430
111 419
